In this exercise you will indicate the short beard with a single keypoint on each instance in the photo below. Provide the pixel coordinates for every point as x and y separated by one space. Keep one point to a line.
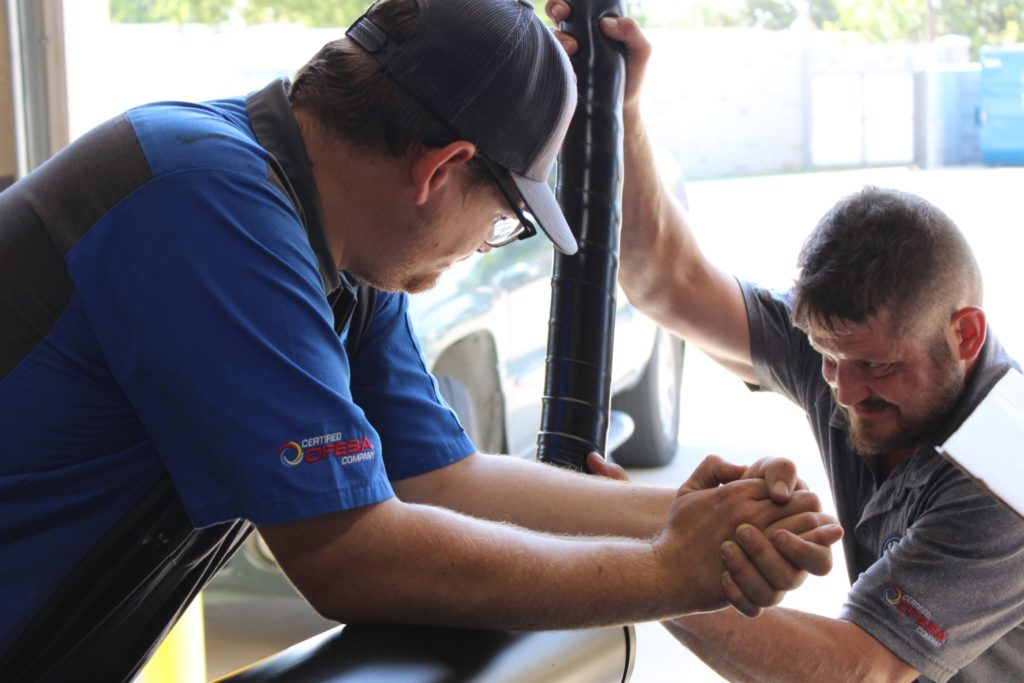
946 389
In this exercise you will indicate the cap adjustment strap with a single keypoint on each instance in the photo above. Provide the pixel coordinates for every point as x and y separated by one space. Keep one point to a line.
368 35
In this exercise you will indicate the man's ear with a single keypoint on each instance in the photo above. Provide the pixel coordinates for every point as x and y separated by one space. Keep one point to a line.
969 329
432 167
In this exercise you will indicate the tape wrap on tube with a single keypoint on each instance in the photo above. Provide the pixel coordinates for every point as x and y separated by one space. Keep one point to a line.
577 387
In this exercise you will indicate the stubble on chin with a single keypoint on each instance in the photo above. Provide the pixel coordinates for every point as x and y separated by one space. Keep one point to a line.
419 283
399 282
865 445
855 437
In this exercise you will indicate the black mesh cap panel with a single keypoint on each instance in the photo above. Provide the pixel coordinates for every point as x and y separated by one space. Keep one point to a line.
491 71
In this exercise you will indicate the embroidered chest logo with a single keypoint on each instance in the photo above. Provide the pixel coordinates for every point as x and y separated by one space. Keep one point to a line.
911 609
888 543
325 447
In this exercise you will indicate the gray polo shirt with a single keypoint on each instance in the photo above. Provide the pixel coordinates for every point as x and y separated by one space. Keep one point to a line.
936 564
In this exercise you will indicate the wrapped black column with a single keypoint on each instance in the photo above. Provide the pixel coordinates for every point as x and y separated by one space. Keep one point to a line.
577 388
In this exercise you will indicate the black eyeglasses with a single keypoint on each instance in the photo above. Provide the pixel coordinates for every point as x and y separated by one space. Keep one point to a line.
506 229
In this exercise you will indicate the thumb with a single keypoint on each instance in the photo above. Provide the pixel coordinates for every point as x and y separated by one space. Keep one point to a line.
712 472
603 468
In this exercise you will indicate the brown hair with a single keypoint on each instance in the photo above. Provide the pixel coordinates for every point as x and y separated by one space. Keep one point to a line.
884 249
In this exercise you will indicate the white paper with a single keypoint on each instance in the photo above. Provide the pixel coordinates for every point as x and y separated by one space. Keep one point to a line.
989 445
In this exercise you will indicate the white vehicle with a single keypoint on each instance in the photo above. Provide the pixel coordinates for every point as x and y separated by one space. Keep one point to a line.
484 333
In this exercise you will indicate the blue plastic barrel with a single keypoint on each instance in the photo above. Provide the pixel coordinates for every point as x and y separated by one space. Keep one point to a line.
1002 105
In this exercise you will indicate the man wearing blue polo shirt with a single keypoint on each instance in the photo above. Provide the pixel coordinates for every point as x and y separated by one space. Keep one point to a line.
172 286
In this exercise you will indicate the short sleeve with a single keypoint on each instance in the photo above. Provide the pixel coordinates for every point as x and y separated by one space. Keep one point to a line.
207 301
951 587
390 380
783 359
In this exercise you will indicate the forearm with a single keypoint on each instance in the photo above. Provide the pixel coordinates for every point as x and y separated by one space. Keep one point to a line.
419 564
653 224
785 645
542 497
663 271
428 564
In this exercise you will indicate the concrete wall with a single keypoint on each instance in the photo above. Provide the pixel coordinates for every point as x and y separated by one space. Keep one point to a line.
727 102
730 102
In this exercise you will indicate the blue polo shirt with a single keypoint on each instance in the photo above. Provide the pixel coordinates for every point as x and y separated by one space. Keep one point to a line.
164 311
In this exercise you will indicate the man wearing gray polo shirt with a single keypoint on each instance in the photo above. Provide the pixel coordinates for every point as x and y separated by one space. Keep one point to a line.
883 342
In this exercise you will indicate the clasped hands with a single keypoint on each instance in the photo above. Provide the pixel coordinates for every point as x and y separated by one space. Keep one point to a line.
746 535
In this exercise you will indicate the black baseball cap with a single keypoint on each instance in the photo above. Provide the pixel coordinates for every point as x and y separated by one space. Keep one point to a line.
494 74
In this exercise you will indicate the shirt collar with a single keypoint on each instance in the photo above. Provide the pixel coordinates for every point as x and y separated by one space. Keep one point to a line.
993 362
272 121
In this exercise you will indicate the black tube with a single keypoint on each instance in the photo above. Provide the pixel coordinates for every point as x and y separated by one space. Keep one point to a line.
577 387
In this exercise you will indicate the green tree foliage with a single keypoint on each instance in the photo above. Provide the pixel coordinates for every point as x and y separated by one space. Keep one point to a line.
175 11
635 9
822 11
883 20
708 14
771 14
313 13
985 22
